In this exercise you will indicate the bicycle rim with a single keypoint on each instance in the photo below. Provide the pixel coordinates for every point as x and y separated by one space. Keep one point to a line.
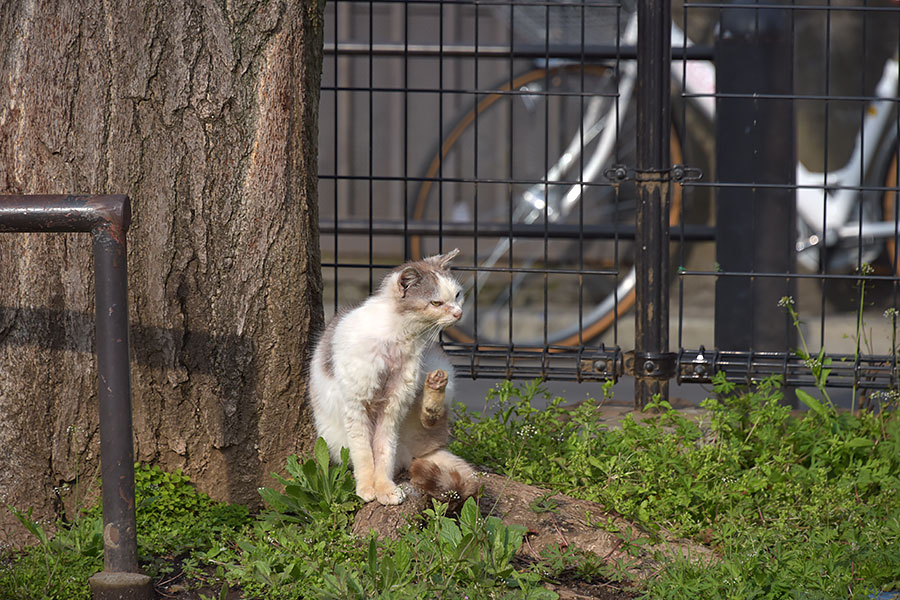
600 315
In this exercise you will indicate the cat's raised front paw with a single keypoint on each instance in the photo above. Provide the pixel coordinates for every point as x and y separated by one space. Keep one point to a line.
389 493
437 380
433 409
366 492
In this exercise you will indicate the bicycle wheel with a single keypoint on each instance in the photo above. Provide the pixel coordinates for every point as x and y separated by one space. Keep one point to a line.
514 158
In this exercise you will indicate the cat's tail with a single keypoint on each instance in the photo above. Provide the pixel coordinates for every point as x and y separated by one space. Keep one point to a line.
444 476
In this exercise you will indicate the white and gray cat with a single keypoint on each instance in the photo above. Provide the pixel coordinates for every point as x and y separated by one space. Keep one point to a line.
374 374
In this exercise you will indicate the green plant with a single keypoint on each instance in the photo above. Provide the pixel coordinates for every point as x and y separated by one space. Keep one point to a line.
562 562
316 490
302 547
818 365
448 558
57 568
544 504
796 506
173 517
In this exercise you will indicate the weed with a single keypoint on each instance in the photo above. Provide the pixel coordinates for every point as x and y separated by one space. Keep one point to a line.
448 558
796 507
806 506
173 517
316 490
57 568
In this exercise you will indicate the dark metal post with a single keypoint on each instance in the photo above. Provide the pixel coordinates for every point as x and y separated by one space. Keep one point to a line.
653 363
107 218
756 226
116 448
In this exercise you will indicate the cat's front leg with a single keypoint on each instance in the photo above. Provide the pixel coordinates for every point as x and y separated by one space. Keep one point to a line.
359 438
384 445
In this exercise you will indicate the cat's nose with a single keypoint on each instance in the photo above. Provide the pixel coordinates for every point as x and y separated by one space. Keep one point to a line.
456 313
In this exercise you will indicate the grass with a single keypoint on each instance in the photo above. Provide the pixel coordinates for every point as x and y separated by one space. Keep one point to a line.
796 507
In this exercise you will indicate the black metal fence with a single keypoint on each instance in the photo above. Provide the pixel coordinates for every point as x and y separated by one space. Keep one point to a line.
636 187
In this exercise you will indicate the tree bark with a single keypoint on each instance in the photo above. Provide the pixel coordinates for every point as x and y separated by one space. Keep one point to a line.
205 114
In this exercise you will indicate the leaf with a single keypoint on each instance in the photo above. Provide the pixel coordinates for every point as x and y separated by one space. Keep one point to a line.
373 558
32 526
293 467
272 498
813 404
403 558
469 515
859 443
450 533
310 475
322 455
542 593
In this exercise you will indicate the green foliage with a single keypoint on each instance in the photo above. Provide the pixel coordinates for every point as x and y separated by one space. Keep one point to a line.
302 547
317 489
57 568
448 558
796 507
806 506
283 560
173 517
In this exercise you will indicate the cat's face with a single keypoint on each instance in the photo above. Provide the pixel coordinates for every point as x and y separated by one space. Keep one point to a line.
427 292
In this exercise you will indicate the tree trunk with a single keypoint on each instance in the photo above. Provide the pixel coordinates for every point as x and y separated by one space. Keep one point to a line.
205 114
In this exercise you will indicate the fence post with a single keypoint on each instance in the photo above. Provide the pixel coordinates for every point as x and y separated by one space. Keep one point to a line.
654 365
755 144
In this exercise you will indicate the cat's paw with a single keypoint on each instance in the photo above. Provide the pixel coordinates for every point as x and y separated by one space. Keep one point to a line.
366 492
437 380
433 409
389 493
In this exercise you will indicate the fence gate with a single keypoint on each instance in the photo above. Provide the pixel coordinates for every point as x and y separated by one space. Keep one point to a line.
599 161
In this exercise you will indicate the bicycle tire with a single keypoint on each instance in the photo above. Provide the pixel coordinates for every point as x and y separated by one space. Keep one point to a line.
622 293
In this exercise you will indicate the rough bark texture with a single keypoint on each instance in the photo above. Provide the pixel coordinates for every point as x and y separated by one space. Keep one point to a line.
205 114
566 525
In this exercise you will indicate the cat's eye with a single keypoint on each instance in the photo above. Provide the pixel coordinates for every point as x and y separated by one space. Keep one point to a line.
458 294
436 303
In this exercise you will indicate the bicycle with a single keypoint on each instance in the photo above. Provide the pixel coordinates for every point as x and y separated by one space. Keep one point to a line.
578 113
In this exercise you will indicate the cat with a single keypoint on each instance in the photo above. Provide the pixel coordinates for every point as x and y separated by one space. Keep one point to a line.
381 387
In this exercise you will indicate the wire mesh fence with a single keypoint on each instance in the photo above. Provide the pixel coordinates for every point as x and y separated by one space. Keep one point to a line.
514 130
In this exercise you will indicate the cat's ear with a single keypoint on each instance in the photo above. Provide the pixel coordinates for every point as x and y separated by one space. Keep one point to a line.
409 277
444 259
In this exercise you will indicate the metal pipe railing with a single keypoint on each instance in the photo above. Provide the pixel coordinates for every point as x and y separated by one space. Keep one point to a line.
107 219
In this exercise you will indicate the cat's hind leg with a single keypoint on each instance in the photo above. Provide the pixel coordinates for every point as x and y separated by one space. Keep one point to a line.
442 474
